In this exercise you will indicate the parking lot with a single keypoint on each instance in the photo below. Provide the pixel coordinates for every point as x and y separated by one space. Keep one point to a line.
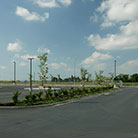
6 92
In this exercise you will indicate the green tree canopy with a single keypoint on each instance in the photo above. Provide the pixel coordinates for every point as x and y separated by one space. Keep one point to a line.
43 67
83 73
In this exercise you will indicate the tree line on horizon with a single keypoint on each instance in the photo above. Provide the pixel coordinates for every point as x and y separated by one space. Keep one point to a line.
98 77
127 77
85 76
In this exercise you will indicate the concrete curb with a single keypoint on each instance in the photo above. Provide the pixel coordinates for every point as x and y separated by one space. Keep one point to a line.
60 103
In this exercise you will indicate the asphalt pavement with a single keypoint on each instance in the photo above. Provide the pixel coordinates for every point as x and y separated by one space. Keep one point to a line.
113 115
7 91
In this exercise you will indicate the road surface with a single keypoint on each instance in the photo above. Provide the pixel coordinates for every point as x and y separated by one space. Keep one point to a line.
107 116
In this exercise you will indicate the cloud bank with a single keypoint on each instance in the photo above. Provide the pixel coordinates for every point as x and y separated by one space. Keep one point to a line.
117 12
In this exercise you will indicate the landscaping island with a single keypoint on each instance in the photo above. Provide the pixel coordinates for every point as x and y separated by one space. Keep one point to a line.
53 96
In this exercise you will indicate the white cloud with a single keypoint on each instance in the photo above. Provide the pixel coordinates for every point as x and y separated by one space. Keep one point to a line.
100 66
22 58
25 57
61 67
52 3
95 58
14 47
57 66
128 67
116 11
107 23
87 0
126 39
47 3
26 15
43 50
114 42
65 2
97 61
113 12
2 67
130 29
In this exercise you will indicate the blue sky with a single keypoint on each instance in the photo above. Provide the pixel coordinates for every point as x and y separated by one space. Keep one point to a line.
75 33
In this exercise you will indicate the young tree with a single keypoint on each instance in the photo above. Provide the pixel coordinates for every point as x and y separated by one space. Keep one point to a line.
43 68
111 75
59 78
89 77
99 76
83 73
52 77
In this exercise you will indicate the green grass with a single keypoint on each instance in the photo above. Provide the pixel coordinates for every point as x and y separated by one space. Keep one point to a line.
2 81
130 83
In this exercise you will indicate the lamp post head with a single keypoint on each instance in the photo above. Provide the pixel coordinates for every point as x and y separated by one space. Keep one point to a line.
30 58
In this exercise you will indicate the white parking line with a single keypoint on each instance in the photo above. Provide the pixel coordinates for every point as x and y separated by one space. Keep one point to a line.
41 88
106 93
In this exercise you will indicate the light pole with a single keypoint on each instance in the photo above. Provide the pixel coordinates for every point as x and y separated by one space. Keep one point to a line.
75 70
30 73
14 71
115 74
114 68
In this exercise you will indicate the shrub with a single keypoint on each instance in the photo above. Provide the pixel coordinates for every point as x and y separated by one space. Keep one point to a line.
56 95
39 95
60 93
15 97
92 90
78 90
49 93
27 98
71 92
85 90
30 98
34 97
65 92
